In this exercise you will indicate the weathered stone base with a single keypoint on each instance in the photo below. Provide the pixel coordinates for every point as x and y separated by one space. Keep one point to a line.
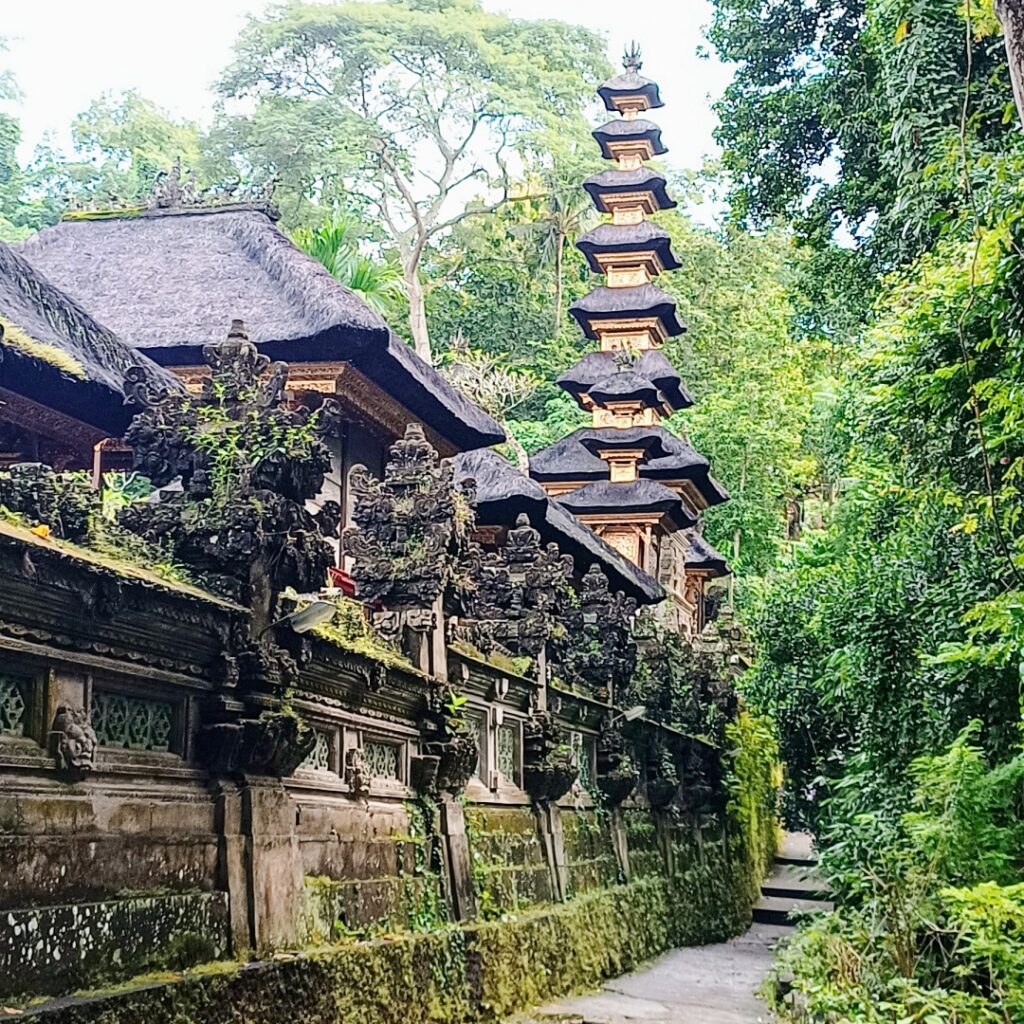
469 975
48 948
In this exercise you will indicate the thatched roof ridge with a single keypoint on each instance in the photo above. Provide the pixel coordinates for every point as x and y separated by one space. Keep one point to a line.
56 353
603 496
621 129
642 300
620 387
702 556
170 282
629 83
651 364
503 492
640 179
618 238
574 458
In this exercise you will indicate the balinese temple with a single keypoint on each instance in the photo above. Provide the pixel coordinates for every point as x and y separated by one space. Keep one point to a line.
641 488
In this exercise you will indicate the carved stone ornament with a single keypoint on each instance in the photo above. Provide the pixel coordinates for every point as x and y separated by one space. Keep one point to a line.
511 593
275 744
596 649
247 464
357 774
73 739
617 776
549 766
446 737
408 528
63 502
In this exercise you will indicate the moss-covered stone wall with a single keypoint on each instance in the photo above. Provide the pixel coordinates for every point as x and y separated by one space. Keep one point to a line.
510 872
478 973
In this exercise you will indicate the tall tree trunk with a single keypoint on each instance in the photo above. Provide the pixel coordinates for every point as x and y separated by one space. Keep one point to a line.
559 259
1011 15
522 457
417 311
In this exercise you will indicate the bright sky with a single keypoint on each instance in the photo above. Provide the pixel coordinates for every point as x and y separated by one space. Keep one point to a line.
64 53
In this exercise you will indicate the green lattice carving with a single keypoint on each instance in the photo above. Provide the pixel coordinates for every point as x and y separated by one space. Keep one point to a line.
319 758
132 722
508 752
13 705
381 759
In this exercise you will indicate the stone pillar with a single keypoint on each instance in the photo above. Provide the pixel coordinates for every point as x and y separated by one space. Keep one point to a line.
552 839
617 828
260 865
457 863
663 830
232 874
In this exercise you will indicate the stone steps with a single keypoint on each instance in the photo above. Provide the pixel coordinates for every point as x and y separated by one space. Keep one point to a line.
794 887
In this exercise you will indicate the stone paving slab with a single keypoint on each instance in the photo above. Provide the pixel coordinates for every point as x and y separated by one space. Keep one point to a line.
699 985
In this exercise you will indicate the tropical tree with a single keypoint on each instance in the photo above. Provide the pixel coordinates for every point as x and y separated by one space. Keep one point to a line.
336 245
566 211
409 104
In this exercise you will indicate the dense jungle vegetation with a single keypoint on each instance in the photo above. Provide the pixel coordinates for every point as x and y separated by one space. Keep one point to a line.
856 349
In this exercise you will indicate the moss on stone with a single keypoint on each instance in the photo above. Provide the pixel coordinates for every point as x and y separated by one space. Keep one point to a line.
502 662
350 631
123 213
14 337
16 528
473 975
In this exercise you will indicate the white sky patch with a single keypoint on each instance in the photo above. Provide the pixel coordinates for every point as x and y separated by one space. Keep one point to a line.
66 53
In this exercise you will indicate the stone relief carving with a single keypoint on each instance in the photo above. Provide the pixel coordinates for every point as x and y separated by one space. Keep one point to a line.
73 739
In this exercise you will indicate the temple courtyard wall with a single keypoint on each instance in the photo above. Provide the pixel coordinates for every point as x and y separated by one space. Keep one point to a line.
158 883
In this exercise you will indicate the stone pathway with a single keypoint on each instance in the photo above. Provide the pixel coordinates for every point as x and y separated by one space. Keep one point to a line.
699 985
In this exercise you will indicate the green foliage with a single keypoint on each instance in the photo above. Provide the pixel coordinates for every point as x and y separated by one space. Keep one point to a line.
932 928
753 782
336 246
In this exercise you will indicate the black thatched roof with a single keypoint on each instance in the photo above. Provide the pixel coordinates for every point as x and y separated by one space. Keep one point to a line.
603 497
701 556
574 458
624 386
640 179
651 364
56 354
503 492
614 238
169 282
629 83
644 300
621 130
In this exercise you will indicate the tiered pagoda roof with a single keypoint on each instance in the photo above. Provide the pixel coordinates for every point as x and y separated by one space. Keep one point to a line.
627 475
630 90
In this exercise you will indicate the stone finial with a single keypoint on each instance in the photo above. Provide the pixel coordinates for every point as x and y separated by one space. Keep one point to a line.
631 58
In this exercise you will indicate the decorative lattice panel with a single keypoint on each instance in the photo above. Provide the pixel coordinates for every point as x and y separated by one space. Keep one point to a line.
319 758
478 729
13 705
581 755
508 752
132 722
381 759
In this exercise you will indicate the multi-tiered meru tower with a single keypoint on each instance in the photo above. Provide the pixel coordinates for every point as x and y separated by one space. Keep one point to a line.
640 487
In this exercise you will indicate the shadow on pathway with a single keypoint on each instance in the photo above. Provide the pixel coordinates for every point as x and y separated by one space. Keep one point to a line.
698 985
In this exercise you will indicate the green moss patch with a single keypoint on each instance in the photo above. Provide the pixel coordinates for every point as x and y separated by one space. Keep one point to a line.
14 337
481 973
351 632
